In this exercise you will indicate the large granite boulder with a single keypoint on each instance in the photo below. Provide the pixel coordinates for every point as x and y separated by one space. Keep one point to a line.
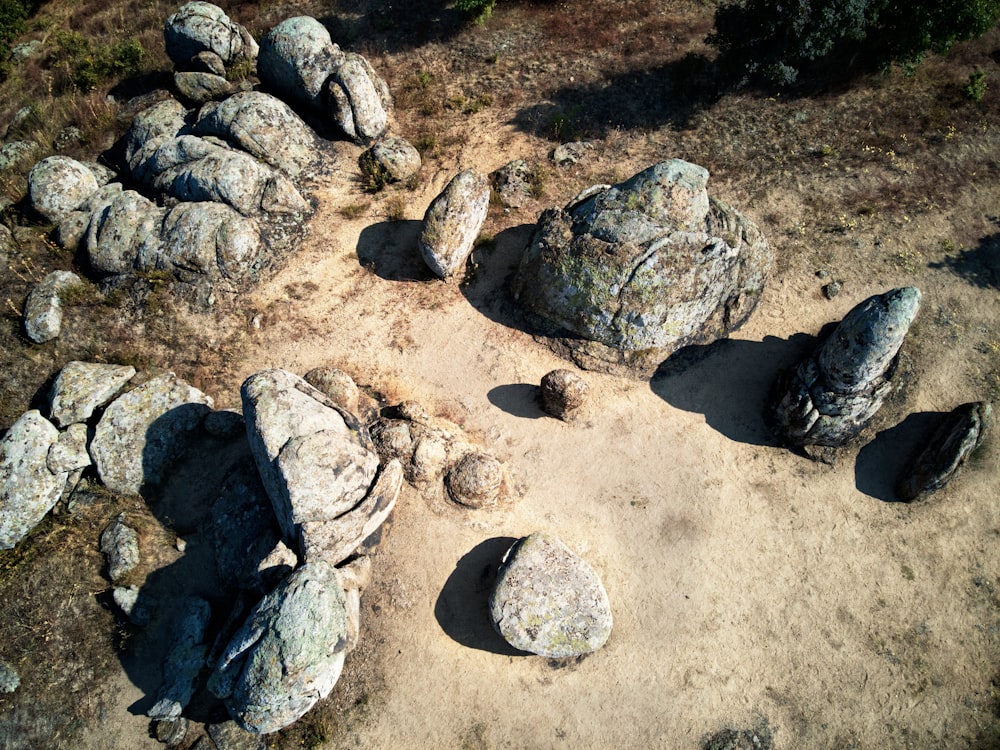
28 488
958 434
549 601
203 27
390 160
359 99
652 264
200 88
288 654
43 308
144 431
58 184
829 398
452 223
264 127
318 465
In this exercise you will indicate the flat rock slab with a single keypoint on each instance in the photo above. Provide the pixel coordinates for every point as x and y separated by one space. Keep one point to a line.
28 489
144 431
549 601
82 387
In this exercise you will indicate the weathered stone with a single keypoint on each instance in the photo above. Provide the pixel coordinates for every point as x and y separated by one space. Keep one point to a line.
229 736
205 238
392 439
315 459
125 227
264 127
946 451
58 184
184 661
143 432
296 58
171 732
200 88
337 386
512 183
476 481
67 138
133 603
288 654
199 27
43 308
549 601
359 99
430 456
651 264
28 490
69 452
452 223
120 547
567 154
830 397
10 680
151 128
207 62
334 540
276 566
16 154
562 393
389 160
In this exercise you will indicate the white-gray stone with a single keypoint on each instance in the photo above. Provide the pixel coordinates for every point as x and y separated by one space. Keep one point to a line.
296 58
58 185
549 601
28 490
82 387
199 27
10 680
452 223
120 547
43 311
184 661
69 453
144 431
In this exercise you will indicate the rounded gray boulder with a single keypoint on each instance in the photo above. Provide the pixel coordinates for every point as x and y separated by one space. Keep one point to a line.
58 185
203 27
452 223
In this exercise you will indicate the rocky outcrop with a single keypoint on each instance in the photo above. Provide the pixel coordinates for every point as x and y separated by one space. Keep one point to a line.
829 398
645 267
200 27
549 601
288 654
957 436
562 393
512 183
299 60
200 88
28 488
452 223
58 185
143 432
390 160
337 386
43 308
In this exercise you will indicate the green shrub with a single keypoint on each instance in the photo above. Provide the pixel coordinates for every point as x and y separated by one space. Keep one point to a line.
480 10
975 89
84 64
774 40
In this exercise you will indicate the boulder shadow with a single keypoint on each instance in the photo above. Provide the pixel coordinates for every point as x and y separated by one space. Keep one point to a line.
517 399
979 266
462 607
389 249
730 381
881 463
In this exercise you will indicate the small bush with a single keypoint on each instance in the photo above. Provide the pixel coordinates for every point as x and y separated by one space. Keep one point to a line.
84 64
480 10
976 87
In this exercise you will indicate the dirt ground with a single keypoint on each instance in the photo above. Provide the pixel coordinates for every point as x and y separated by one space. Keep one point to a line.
751 587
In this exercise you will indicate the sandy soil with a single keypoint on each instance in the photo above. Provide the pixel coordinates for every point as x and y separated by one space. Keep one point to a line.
749 585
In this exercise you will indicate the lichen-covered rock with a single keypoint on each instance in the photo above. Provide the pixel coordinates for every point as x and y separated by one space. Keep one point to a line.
337 386
82 387
264 127
209 239
69 453
184 661
17 153
562 393
830 397
151 128
316 460
58 185
200 27
476 480
143 432
43 308
200 88
296 58
390 160
652 263
28 489
512 183
120 547
956 437
452 223
288 654
126 226
359 99
549 601
10 680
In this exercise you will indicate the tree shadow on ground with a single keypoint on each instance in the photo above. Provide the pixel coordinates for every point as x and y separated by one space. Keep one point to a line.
462 607
396 25
979 265
881 463
389 249
517 399
669 94
729 381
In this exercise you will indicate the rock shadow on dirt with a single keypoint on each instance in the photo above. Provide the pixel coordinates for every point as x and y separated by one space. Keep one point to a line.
462 607
881 463
389 249
517 399
488 277
730 382
980 265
